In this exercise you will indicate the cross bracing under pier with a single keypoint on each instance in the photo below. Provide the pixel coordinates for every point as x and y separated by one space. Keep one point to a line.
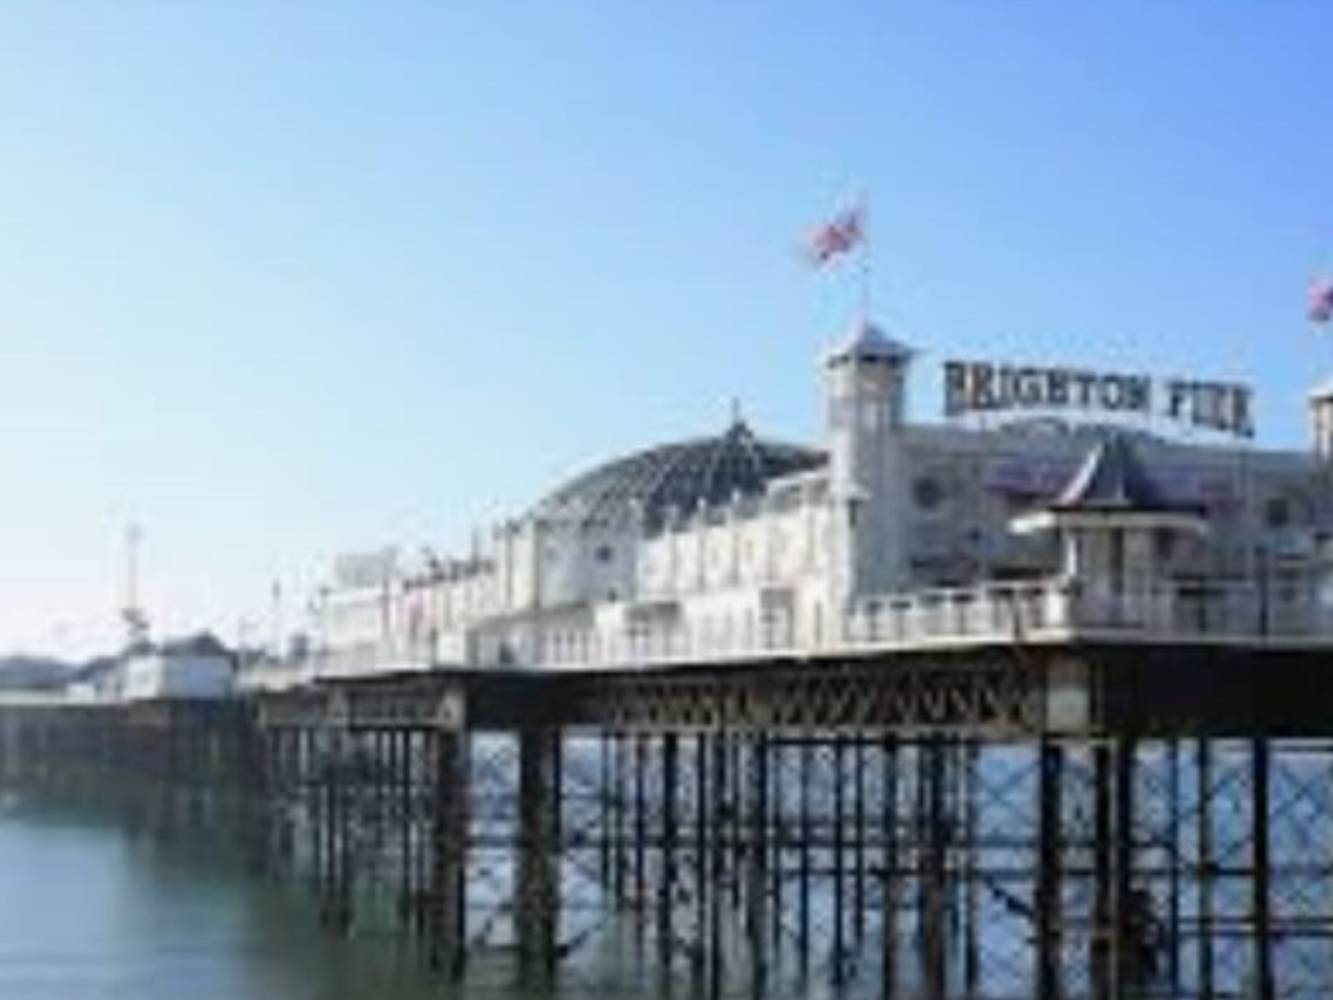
998 824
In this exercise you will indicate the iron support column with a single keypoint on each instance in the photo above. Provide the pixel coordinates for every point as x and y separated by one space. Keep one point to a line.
1204 835
1127 941
1047 903
666 885
932 834
715 889
640 831
449 854
838 960
803 869
1260 762
536 907
703 889
889 836
1100 942
758 855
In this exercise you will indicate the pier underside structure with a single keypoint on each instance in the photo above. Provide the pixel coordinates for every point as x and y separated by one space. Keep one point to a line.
1054 821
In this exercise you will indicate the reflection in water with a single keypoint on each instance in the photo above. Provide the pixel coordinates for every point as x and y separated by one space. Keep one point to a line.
87 911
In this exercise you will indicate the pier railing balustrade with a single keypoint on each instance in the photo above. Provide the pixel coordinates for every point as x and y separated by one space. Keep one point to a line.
1050 610
1041 611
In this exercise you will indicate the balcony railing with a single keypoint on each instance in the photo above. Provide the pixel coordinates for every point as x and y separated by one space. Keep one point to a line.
1037 612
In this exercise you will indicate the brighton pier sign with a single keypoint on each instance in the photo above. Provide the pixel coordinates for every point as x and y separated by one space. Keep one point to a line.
983 386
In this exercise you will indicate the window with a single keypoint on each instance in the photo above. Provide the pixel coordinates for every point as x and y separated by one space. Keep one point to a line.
927 493
604 553
1277 512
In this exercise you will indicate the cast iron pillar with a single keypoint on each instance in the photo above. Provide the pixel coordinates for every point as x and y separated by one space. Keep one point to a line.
1127 951
1048 909
449 822
537 903
758 858
889 838
1263 937
1204 837
666 885
1099 957
933 836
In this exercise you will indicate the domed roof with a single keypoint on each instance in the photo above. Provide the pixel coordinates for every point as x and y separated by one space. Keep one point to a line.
680 475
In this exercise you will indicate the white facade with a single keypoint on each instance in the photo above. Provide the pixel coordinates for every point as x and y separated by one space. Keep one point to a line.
170 672
885 514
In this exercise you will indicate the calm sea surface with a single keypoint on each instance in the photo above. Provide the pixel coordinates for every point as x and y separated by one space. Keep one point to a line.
88 911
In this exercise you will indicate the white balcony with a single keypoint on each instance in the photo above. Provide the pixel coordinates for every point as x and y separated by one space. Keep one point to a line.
1043 612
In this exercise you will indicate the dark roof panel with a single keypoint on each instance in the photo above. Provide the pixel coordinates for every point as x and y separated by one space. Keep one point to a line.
199 644
1111 479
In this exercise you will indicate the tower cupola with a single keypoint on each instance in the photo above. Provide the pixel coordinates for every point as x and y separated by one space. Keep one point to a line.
871 368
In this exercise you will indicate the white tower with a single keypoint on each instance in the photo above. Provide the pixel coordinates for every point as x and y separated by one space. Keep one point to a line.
867 387
1321 419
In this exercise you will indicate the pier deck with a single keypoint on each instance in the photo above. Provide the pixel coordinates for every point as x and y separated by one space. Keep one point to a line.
999 820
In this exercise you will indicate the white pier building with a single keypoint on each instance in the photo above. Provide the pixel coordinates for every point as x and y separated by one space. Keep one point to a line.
885 534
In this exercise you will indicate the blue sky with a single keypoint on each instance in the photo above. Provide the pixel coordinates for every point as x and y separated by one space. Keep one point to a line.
284 280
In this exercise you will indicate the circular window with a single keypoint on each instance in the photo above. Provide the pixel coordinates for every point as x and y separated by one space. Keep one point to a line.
927 493
604 553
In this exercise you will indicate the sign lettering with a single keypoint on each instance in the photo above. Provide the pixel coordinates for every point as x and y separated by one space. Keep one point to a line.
982 386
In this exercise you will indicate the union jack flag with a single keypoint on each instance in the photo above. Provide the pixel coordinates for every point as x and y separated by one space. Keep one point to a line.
836 237
1319 300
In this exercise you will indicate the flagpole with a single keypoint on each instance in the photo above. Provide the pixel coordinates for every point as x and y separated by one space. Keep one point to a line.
843 233
863 207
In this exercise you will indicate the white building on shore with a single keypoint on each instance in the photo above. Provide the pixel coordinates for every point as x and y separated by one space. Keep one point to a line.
197 667
1061 511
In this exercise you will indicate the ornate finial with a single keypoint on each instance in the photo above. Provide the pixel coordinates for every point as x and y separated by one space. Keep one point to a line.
737 417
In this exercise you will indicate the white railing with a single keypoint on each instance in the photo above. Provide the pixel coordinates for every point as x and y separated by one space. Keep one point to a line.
1245 612
1038 612
360 659
267 675
1044 611
986 613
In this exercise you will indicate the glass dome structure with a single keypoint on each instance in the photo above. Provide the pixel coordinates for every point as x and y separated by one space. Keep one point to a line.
681 476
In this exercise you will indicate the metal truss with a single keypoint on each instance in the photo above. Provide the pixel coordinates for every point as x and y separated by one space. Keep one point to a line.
926 827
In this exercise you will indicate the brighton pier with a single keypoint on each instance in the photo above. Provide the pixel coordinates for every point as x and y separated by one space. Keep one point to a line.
1010 711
